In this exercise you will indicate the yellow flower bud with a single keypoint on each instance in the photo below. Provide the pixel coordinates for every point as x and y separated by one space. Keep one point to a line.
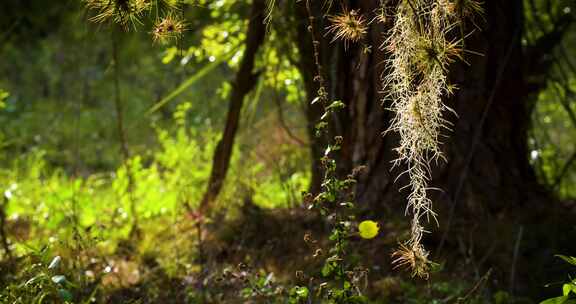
368 229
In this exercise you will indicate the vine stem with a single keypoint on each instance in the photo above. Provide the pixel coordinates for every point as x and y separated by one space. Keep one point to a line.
316 47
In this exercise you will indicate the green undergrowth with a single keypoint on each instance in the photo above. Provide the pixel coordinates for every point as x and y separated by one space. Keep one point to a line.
43 202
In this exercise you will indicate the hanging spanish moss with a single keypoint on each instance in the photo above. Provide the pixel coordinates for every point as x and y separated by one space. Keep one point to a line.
417 81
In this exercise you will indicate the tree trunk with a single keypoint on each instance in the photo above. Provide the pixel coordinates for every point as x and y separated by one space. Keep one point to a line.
489 188
245 81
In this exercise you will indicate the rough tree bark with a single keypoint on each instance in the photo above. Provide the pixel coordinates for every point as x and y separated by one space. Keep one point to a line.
489 187
244 82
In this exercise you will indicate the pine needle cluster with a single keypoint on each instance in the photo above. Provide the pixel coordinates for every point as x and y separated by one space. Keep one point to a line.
420 54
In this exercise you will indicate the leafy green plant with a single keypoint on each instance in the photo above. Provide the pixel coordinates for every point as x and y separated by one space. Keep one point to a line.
3 96
44 282
341 275
568 289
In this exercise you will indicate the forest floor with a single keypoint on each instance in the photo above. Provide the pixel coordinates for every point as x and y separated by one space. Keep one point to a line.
257 256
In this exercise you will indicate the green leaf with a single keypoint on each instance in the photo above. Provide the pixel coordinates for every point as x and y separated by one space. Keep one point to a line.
302 292
321 125
347 285
557 300
327 151
65 295
568 259
336 104
327 269
59 279
566 288
34 279
3 96
170 54
55 262
501 297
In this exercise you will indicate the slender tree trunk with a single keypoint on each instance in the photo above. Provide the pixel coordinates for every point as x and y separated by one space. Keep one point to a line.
489 187
3 233
244 82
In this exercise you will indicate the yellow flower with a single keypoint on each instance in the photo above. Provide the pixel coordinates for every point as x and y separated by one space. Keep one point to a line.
368 229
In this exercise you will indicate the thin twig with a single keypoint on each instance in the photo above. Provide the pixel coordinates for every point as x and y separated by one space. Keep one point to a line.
515 259
476 287
316 47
